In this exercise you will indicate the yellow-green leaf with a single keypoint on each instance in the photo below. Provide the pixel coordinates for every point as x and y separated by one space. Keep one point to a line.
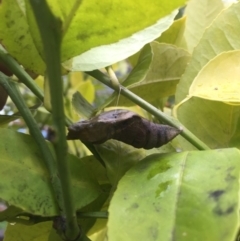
180 196
200 15
15 36
168 64
219 79
25 181
222 35
214 122
174 35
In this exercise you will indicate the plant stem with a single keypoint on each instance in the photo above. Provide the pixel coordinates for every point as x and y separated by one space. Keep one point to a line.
25 78
17 99
103 215
151 109
22 75
50 31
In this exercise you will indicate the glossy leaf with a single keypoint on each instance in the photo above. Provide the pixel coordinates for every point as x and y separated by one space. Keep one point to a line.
23 174
200 15
14 35
175 34
141 68
219 79
168 65
181 196
102 26
222 35
214 122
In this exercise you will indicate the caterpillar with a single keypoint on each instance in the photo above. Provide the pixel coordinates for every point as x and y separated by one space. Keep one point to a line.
122 125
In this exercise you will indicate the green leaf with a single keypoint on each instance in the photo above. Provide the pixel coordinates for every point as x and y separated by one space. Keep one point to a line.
141 62
175 34
180 196
105 55
14 35
141 68
168 65
217 38
200 15
103 25
23 174
118 158
96 169
96 205
219 79
37 232
82 106
214 122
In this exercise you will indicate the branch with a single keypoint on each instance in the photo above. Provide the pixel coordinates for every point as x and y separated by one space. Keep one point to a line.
151 109
51 35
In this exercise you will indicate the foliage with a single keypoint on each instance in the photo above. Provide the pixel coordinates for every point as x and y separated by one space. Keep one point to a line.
50 70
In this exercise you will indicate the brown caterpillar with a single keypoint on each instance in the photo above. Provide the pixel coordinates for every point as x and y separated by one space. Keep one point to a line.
125 126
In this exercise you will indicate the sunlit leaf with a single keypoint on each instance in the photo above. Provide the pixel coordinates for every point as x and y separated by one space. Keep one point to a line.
222 35
25 182
219 79
215 123
168 65
106 55
200 15
103 24
182 196
14 35
174 35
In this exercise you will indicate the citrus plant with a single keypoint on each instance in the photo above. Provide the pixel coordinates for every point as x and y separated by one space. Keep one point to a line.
55 59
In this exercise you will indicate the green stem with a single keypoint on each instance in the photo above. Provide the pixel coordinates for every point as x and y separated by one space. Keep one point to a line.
22 75
17 99
25 78
50 30
92 215
151 109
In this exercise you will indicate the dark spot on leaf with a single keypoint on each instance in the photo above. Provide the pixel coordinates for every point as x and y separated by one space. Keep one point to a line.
82 37
135 205
229 177
222 212
153 232
125 197
21 37
163 167
162 187
156 207
215 195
